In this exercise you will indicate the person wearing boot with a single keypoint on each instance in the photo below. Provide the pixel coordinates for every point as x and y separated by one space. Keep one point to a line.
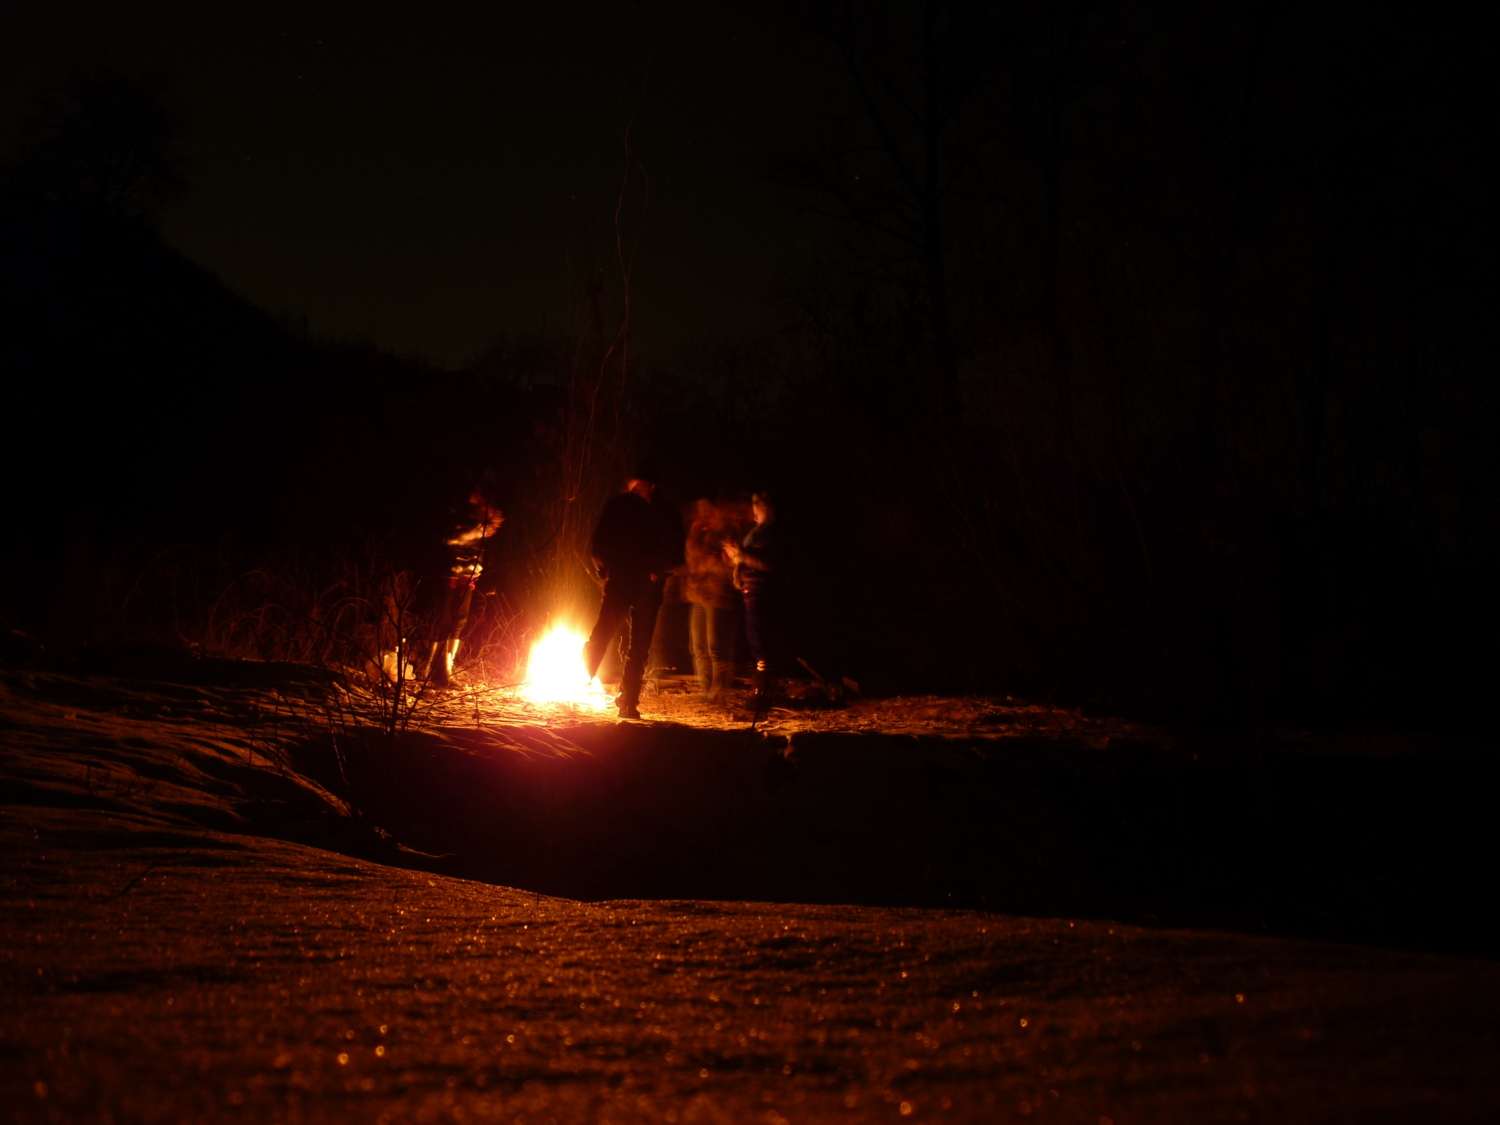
470 527
708 587
755 566
633 555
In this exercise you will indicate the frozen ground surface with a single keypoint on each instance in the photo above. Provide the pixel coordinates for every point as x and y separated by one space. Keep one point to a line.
168 953
674 699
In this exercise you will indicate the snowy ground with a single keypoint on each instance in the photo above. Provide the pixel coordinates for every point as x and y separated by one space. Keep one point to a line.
803 705
170 951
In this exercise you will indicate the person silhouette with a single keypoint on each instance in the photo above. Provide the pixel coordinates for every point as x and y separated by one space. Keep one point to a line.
755 576
708 586
634 550
470 526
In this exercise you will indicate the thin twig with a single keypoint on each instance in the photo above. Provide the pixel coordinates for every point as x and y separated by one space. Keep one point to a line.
150 867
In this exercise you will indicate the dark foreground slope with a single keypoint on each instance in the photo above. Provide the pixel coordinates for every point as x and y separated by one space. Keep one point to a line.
1372 838
165 957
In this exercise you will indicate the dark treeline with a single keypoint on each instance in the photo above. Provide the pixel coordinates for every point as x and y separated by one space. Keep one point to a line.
1146 363
1152 361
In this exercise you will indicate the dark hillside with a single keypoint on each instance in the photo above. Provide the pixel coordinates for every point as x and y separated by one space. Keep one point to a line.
151 409
137 379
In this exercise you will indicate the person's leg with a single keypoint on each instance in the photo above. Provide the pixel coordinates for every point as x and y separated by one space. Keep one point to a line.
720 642
758 636
438 597
612 610
463 602
755 629
457 598
642 624
698 636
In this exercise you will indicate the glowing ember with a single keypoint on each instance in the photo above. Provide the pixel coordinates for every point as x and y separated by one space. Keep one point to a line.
555 673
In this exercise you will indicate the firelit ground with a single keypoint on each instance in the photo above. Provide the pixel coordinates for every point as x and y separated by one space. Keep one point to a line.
165 958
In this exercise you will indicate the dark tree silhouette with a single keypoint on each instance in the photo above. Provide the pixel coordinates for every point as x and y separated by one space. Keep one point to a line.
902 145
1208 285
106 142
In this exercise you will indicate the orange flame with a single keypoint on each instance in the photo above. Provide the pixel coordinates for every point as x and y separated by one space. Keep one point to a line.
555 673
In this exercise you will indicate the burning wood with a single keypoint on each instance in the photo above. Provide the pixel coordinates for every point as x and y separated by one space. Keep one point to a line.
556 674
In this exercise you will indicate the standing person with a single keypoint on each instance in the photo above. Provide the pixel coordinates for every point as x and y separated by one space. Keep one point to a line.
755 568
708 587
633 556
470 526
671 635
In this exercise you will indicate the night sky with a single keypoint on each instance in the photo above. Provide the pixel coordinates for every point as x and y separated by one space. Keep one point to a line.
429 177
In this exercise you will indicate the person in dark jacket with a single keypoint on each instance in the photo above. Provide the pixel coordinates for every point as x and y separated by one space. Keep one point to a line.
633 553
755 576
470 526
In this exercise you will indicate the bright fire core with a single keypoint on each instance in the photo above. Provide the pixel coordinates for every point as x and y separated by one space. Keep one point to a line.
555 673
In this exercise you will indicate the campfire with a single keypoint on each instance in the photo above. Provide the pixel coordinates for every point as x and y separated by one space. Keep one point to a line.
555 673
